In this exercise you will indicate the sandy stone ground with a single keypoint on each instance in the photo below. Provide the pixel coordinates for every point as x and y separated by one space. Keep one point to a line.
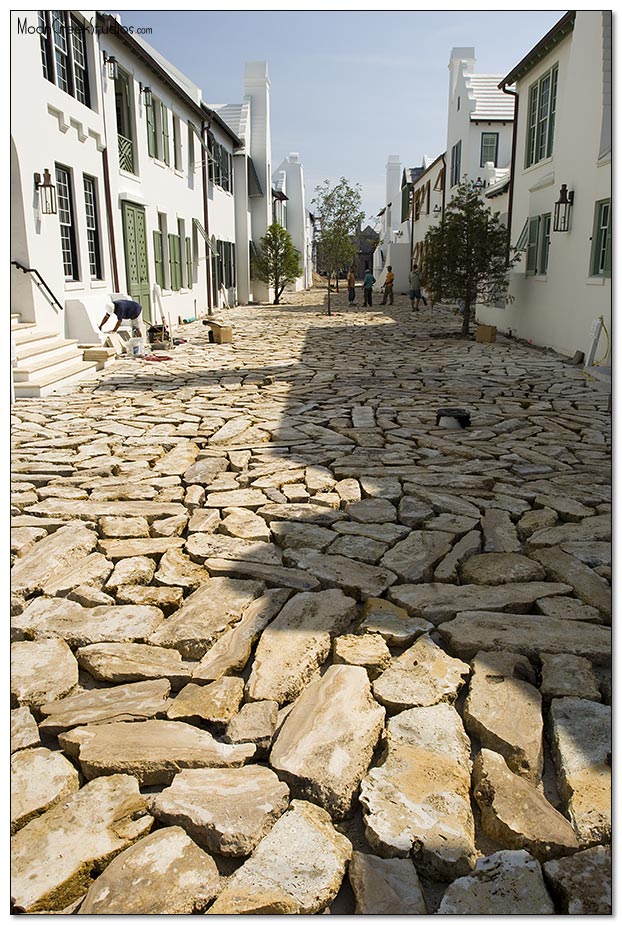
284 642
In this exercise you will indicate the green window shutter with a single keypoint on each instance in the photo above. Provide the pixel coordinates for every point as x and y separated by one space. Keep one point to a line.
532 246
189 262
545 242
158 257
151 130
164 118
175 261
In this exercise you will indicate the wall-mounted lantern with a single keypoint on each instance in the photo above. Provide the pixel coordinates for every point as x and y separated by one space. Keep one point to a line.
47 193
112 69
479 184
436 210
147 94
563 206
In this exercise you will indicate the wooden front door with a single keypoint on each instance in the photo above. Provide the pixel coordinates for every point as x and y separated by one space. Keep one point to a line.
136 267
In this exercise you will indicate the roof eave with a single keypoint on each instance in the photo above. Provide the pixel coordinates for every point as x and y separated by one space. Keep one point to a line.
559 31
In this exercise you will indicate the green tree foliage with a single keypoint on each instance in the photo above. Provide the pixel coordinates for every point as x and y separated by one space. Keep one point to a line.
339 214
277 261
466 256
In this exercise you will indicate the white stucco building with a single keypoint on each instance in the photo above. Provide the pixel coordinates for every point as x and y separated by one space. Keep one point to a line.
288 180
480 121
562 150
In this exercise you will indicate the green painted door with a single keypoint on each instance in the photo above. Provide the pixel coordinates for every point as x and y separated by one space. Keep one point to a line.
136 266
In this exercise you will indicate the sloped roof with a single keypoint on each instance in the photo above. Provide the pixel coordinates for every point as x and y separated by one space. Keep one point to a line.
235 115
559 31
490 102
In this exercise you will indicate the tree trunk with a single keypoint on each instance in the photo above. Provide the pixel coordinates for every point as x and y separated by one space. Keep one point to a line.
466 319
329 276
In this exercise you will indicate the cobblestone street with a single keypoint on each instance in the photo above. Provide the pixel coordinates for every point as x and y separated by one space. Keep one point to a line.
275 623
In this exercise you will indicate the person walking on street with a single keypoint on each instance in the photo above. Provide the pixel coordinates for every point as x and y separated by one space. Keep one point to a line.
351 281
388 286
368 282
414 285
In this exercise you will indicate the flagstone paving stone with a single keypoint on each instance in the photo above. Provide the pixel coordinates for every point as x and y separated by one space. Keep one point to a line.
184 524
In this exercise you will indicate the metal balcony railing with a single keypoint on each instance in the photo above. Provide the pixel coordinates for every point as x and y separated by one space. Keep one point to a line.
126 154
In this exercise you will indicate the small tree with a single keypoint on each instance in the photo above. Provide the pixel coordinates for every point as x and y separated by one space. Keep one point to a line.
466 255
339 216
277 261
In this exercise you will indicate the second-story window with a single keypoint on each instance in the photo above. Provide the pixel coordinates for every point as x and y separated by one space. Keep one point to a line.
490 148
456 156
63 53
541 118
177 144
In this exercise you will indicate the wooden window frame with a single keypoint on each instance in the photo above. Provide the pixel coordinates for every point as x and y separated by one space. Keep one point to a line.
63 42
69 242
93 233
541 117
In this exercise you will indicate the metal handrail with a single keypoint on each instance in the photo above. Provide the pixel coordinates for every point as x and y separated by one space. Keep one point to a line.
40 279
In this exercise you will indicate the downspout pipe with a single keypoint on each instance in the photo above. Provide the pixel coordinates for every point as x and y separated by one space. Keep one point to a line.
111 240
208 252
513 93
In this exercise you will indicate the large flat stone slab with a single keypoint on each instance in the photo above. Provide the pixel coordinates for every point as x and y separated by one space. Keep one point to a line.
43 670
385 886
54 856
582 883
226 811
296 869
517 815
152 752
326 743
334 571
507 881
580 733
205 614
40 779
296 642
164 873
202 546
123 703
413 559
393 623
500 568
51 556
309 513
438 601
420 677
586 584
178 571
232 650
504 711
92 569
83 626
528 634
271 574
418 799
214 703
92 510
24 729
122 663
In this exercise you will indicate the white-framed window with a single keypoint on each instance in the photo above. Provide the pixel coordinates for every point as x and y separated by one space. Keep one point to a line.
456 157
600 262
541 117
489 148
93 239
177 143
67 223
63 52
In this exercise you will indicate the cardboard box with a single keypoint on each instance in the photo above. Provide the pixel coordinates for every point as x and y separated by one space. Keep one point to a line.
486 334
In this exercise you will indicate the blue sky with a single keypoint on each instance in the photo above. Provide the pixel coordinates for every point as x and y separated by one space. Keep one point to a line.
347 88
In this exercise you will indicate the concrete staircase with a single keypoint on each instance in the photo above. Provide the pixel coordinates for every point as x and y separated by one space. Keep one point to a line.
43 362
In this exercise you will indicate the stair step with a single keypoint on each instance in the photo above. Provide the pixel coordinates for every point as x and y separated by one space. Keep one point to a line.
43 348
47 382
29 334
51 359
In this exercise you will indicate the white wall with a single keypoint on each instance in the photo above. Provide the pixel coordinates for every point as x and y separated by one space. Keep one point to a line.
257 92
48 127
160 188
557 310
